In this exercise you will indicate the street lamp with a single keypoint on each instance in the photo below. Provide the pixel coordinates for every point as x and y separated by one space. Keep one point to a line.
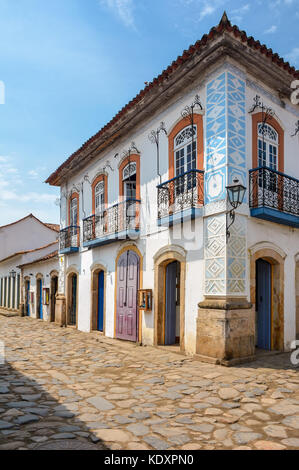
235 193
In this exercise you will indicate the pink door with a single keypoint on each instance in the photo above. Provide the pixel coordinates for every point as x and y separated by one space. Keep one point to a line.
127 287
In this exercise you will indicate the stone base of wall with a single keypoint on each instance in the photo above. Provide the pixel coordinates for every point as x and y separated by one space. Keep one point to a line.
60 310
9 312
225 331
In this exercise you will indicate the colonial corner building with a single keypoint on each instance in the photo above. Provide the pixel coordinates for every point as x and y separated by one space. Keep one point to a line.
150 249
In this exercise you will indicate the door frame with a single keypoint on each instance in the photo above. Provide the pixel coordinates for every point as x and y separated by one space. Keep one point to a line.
69 276
95 270
27 293
164 257
39 296
276 258
139 312
165 289
271 302
53 275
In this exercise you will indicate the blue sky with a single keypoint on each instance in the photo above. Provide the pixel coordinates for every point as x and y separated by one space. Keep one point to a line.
69 65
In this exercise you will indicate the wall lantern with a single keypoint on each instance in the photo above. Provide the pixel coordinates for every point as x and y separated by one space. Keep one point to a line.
13 274
235 193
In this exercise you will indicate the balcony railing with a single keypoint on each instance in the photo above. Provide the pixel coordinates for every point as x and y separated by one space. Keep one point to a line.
276 193
115 222
69 239
181 193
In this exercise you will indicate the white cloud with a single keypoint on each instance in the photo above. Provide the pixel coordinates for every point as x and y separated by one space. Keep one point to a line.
123 9
237 15
293 56
271 30
206 11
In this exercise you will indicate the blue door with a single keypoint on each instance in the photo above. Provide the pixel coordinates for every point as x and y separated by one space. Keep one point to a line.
101 301
263 301
170 304
40 299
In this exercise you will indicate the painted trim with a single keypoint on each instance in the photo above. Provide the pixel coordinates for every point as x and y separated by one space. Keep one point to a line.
184 122
267 246
70 273
256 119
94 272
139 312
101 177
275 215
74 196
164 257
277 263
133 158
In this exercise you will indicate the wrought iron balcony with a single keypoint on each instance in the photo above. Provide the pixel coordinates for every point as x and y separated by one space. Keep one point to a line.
69 239
119 222
181 198
274 196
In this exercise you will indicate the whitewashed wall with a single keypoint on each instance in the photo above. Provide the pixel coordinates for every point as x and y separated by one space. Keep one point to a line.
31 272
150 242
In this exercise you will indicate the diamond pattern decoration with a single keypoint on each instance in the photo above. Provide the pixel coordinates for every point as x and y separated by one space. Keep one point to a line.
225 262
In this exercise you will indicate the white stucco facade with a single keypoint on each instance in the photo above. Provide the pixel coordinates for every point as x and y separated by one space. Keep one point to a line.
22 242
212 270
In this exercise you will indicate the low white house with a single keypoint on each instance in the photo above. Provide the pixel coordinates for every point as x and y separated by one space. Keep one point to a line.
22 242
40 286
151 248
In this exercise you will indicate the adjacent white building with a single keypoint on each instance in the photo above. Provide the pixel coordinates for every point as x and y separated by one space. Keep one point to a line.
22 242
147 249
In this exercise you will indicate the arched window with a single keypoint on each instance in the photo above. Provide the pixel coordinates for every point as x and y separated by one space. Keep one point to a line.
185 150
129 180
99 197
268 145
74 211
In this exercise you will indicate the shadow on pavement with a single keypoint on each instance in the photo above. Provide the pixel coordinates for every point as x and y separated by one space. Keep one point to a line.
30 418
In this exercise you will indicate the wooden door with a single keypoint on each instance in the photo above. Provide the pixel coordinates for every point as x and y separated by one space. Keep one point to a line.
263 298
170 304
73 306
127 287
101 301
27 298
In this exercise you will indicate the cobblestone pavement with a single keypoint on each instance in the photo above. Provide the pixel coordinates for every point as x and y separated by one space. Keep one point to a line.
61 388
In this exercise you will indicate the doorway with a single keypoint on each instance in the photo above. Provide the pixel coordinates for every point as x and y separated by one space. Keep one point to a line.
126 302
39 302
100 302
264 304
72 309
27 298
54 289
172 304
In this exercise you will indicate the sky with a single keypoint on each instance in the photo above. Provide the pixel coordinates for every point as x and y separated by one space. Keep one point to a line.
68 66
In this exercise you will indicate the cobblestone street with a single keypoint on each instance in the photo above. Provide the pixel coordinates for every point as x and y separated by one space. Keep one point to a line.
61 388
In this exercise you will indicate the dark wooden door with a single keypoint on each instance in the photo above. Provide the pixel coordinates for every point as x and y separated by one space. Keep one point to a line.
27 299
127 287
263 297
101 301
73 309
54 287
170 304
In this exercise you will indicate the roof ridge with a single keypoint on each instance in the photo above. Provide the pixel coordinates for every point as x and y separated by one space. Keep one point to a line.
25 252
27 217
51 255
